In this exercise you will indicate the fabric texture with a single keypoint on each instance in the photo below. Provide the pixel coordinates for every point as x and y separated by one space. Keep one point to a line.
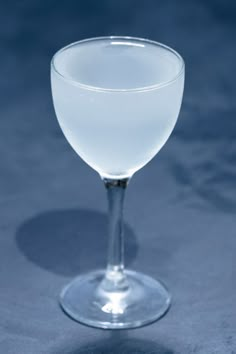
180 208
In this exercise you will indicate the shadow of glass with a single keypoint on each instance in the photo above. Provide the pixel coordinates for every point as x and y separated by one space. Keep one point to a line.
118 343
68 242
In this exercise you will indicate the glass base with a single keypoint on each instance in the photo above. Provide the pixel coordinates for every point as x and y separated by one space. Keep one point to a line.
142 301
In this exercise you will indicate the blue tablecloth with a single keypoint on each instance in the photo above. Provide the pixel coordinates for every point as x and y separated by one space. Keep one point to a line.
180 208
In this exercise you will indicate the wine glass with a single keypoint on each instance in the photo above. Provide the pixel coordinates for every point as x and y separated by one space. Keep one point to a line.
117 100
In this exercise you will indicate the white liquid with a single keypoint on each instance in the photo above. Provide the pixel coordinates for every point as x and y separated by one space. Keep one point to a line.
116 132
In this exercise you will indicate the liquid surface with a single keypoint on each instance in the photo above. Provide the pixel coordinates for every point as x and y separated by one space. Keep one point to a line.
117 64
116 132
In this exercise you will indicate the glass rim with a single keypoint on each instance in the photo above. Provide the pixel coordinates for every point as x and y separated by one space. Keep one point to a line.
125 38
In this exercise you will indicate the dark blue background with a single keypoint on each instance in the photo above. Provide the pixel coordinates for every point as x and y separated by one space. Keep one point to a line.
180 208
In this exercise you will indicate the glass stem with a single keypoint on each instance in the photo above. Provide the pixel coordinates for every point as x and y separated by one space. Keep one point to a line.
115 266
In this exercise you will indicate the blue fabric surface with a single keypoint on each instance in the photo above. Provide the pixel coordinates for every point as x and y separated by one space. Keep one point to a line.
180 208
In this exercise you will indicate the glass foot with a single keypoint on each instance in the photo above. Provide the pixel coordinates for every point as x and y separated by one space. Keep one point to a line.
88 301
